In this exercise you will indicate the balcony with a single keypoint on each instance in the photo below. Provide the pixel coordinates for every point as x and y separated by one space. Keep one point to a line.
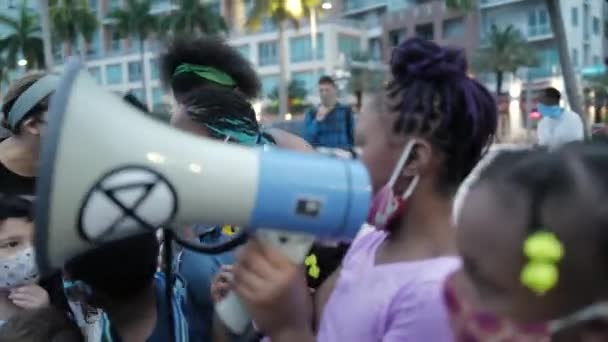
496 3
539 32
352 7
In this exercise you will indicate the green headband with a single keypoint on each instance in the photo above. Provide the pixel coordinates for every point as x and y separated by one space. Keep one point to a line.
206 72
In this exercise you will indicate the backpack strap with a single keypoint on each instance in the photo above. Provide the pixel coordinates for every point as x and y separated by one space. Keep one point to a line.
349 127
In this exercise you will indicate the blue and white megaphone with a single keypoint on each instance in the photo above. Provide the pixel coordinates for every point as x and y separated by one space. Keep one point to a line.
108 172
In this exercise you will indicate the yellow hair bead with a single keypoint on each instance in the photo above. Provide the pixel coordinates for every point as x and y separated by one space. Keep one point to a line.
543 245
540 277
310 260
544 251
314 271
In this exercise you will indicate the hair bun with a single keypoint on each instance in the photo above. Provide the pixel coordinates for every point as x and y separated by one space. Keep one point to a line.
419 59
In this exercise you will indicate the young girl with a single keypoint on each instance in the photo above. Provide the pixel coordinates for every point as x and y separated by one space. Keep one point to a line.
419 138
18 272
533 243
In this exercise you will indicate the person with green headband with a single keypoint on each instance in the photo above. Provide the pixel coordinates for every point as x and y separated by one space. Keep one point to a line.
24 108
212 84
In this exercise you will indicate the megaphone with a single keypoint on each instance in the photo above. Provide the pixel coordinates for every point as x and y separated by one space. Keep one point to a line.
107 171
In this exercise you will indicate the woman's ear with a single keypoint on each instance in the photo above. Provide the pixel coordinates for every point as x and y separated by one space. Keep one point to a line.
32 125
419 160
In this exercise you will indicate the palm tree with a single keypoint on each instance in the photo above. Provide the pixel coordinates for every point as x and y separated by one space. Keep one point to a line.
45 22
73 19
570 81
135 20
24 39
280 12
195 17
504 52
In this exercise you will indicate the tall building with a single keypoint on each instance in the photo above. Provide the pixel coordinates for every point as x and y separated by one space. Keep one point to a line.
584 26
117 63
429 19
583 21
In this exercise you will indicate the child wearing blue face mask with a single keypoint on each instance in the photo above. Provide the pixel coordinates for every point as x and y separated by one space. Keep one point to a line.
558 126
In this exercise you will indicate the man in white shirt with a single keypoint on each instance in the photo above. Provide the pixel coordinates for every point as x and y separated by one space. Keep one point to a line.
558 126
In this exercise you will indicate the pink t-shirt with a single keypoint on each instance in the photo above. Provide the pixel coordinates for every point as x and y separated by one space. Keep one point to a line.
391 302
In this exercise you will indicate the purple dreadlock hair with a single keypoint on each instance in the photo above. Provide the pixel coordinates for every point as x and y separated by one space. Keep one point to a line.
432 96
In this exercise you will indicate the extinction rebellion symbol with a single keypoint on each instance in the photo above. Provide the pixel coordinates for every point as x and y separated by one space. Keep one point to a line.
126 200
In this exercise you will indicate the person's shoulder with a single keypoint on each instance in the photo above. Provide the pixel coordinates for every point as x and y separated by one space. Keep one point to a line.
344 107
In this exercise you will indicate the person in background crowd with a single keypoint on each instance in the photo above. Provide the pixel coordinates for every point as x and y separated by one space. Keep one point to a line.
537 213
120 278
558 125
211 83
41 325
24 114
19 289
330 124
420 138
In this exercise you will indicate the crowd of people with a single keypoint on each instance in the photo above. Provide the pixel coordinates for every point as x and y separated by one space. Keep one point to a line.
519 256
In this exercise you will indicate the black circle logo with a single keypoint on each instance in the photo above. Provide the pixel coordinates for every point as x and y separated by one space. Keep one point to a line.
126 200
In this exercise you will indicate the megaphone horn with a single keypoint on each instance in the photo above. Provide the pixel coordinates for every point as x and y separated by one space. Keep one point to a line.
108 171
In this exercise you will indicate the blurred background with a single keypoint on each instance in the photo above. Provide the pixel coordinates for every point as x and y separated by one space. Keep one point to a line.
516 47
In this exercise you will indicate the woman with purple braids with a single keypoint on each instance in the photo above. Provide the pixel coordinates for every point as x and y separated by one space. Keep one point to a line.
420 138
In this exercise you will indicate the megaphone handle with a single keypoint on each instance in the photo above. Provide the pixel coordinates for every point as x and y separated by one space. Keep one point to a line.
295 246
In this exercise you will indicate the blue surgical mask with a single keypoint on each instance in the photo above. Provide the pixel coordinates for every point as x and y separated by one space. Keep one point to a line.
552 112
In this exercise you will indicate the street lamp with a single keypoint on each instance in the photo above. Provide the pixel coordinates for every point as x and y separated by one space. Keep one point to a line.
326 5
22 62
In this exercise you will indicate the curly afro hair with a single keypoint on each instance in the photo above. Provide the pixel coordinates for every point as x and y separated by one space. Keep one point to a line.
208 51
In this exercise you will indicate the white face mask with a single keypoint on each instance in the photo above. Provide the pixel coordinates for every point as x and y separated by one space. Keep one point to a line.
18 270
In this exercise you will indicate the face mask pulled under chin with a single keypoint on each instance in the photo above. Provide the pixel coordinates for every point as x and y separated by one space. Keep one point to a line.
387 206
19 269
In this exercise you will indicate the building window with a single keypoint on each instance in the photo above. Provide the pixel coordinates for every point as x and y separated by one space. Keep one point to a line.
96 73
575 57
157 96
348 45
244 51
114 74
538 22
574 16
586 21
154 71
396 36
453 28
95 46
596 26
596 60
268 25
139 94
549 63
115 44
135 71
586 54
269 84
114 4
375 49
425 31
300 48
308 79
267 53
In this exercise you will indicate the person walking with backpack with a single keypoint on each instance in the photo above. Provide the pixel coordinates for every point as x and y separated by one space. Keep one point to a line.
331 123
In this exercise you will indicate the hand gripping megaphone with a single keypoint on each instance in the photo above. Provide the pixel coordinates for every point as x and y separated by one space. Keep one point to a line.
108 171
